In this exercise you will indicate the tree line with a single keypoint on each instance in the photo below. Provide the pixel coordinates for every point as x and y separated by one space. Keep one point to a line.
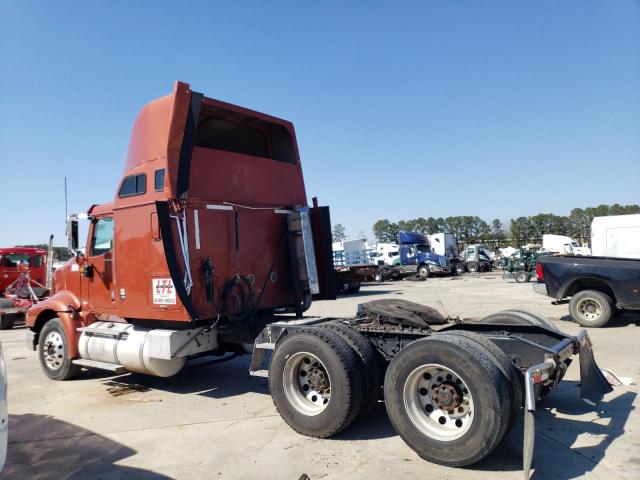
519 231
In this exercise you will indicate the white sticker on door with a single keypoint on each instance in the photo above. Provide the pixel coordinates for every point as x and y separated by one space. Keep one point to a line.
163 291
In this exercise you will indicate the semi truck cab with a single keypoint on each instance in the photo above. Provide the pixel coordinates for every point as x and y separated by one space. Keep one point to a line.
416 256
10 258
209 221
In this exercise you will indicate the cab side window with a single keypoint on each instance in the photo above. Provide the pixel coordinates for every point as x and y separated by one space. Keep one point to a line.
102 241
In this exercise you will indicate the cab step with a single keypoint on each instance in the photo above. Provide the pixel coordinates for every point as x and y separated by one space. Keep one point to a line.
112 367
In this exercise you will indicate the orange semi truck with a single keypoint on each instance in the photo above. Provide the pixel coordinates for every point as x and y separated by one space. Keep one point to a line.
209 247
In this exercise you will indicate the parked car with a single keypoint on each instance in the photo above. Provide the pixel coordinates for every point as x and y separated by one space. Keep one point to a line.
595 285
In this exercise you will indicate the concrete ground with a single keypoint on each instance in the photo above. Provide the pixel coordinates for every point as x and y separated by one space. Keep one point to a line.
215 421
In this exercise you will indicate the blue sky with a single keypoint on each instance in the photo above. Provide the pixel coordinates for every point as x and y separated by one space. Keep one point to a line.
402 109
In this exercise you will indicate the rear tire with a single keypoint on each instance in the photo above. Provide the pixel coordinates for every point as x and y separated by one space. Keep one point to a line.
506 366
414 396
591 308
371 360
332 372
53 348
472 267
460 267
521 277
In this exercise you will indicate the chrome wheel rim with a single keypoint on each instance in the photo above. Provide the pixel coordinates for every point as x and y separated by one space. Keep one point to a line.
589 309
53 350
438 402
307 384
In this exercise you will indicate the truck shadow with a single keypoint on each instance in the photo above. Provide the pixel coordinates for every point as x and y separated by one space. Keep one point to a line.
43 447
365 293
620 320
230 379
201 377
562 420
557 433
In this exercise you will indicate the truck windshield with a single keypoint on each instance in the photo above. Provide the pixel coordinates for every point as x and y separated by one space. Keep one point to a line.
13 259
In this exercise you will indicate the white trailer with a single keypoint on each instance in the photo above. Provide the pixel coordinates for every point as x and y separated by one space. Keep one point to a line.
563 244
444 244
616 236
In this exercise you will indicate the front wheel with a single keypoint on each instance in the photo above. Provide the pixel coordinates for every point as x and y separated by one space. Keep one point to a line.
473 267
423 271
448 400
53 348
591 308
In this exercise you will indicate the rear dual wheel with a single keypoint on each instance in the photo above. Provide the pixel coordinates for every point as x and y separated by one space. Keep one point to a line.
316 382
448 399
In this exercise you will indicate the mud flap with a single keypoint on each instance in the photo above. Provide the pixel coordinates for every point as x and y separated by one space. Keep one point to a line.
593 384
533 376
529 440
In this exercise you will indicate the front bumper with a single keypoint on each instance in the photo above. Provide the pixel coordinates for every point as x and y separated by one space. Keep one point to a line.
438 269
541 288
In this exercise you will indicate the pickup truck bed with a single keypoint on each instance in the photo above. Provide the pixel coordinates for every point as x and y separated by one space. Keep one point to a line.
596 285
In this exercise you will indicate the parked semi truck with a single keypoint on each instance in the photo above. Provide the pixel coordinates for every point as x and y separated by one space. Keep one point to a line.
11 258
416 257
475 258
209 247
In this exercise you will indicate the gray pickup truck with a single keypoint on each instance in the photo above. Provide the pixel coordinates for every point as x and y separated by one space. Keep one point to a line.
596 285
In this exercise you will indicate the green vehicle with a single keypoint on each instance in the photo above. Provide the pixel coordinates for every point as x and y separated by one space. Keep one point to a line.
521 266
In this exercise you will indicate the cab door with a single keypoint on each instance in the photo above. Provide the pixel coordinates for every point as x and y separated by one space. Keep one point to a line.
99 268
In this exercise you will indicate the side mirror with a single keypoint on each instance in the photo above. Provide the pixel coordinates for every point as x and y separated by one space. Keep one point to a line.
72 234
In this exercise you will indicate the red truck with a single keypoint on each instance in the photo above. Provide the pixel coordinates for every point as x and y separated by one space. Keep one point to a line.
10 258
209 247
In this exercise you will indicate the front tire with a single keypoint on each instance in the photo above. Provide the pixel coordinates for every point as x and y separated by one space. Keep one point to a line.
316 382
53 348
448 400
591 308
473 267
423 271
